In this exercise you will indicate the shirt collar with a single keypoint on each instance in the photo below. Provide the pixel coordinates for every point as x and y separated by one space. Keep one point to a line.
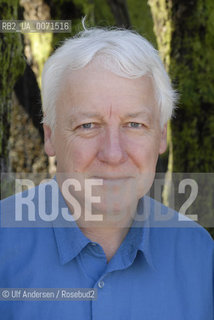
70 239
137 239
145 246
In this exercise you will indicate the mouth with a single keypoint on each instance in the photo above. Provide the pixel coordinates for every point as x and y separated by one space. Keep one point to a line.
113 179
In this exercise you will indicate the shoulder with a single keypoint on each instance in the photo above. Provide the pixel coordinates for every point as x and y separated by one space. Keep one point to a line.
173 231
20 226
31 208
181 241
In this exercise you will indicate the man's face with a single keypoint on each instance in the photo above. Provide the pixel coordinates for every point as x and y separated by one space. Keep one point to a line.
107 127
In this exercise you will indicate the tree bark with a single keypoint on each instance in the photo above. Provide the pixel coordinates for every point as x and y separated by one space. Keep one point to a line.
12 66
185 33
120 13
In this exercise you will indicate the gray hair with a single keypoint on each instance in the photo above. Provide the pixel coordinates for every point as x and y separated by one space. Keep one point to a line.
122 51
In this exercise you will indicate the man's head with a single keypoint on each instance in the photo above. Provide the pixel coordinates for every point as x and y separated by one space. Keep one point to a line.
107 99
123 52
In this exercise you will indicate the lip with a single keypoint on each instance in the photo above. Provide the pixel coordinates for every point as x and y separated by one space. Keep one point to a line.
112 178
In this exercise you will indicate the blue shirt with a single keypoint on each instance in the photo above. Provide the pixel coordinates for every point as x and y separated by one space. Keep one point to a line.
157 273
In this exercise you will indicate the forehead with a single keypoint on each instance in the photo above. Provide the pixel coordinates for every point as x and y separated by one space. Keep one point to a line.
97 89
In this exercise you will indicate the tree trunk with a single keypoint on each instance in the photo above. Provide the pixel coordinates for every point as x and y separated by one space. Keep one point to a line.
192 53
185 33
12 66
120 12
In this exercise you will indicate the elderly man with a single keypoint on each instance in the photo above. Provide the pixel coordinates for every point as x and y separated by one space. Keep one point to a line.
107 100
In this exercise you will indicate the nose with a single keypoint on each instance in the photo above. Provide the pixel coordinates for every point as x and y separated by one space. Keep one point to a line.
112 148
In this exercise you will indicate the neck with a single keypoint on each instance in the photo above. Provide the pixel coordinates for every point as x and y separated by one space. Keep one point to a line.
109 239
109 235
108 232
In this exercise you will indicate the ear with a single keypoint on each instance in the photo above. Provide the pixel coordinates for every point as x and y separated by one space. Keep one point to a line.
163 141
49 147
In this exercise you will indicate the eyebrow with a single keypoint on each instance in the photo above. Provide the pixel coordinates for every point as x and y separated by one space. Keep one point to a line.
88 114
78 115
137 114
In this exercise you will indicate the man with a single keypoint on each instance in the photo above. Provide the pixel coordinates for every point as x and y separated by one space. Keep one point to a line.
106 100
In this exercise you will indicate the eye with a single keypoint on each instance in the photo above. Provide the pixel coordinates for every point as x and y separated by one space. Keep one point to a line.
135 125
89 125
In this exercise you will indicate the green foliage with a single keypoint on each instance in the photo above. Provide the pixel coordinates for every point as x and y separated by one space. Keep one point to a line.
141 19
102 14
99 14
66 10
192 66
185 33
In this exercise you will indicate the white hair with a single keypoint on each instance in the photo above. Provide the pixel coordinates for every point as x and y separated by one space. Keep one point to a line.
122 51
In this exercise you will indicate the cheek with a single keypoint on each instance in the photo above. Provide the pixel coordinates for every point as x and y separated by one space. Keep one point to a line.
144 153
146 160
74 154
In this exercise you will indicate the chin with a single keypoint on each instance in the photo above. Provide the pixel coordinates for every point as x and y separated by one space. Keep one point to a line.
114 210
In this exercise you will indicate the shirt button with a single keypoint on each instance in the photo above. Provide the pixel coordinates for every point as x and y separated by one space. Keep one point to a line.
101 284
